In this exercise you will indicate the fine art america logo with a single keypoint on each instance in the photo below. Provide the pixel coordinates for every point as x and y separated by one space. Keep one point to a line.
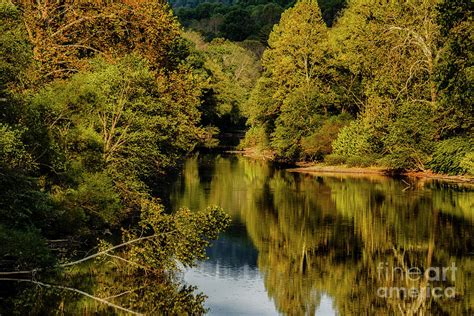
431 282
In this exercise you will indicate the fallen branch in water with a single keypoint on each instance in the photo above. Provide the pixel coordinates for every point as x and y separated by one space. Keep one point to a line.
74 290
64 265
20 272
107 250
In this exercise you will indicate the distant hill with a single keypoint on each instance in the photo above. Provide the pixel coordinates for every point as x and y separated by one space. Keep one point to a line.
240 20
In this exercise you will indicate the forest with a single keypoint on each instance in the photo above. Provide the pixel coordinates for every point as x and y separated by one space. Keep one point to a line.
356 83
386 84
246 20
101 102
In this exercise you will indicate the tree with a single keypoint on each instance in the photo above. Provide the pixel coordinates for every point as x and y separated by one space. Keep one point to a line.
453 77
62 41
15 53
237 25
398 77
296 77
101 120
230 72
117 124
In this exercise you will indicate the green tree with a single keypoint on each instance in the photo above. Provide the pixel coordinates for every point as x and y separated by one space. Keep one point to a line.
400 98
230 72
237 25
117 119
454 70
294 95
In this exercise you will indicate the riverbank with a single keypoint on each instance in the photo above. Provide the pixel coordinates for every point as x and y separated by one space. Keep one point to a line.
323 168
315 168
254 154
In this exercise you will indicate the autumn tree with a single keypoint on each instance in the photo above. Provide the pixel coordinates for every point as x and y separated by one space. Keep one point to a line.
65 34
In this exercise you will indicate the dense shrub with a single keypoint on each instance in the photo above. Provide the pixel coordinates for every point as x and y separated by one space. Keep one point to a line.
360 161
254 138
319 144
353 140
409 140
335 159
12 150
467 163
453 156
24 249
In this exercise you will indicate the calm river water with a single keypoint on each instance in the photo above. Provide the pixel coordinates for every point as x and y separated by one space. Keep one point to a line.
298 245
330 244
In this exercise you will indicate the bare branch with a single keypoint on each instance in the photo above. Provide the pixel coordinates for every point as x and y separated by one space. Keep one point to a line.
76 291
107 250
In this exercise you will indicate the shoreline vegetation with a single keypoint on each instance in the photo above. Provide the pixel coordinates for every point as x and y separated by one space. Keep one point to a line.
325 168
343 169
100 103
385 85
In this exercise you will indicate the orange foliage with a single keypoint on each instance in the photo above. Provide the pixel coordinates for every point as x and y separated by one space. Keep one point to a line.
66 33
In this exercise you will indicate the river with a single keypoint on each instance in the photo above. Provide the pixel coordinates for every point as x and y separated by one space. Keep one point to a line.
330 244
298 244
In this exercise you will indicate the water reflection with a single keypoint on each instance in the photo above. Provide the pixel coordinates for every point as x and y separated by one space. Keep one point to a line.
317 243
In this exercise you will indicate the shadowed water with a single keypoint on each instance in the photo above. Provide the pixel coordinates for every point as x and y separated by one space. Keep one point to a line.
330 244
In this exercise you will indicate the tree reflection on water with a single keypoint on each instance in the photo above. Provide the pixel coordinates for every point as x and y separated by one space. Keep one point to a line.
327 234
